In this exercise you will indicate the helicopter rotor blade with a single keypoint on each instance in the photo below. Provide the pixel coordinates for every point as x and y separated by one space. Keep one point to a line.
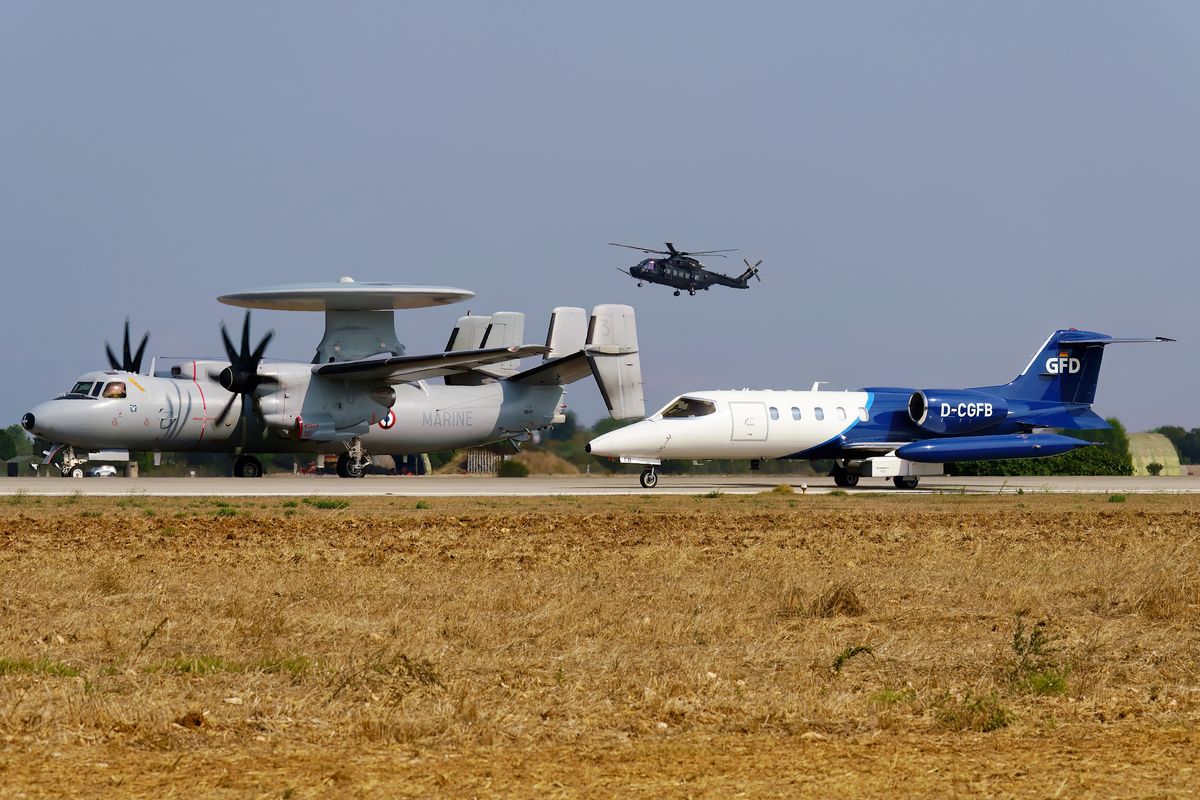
672 250
643 249
708 252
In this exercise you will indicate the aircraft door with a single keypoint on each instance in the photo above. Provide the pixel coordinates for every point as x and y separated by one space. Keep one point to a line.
749 422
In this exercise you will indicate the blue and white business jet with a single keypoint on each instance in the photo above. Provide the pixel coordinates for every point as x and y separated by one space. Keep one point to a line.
881 432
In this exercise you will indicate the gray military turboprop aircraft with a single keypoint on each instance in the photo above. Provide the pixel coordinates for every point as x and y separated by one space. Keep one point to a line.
361 393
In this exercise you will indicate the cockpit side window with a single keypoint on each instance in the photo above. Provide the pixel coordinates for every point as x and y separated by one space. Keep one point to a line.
116 389
689 407
82 388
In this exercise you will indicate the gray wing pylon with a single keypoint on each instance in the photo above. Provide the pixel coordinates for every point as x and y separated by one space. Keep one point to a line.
405 369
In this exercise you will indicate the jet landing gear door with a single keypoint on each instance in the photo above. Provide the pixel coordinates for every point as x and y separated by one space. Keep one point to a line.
749 422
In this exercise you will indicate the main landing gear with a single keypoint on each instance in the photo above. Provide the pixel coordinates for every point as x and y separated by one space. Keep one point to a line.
905 482
247 467
354 462
649 477
844 477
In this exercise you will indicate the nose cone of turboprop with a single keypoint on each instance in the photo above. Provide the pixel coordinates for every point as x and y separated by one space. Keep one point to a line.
49 420
636 439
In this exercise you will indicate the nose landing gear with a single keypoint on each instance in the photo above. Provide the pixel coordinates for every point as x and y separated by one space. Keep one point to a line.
649 477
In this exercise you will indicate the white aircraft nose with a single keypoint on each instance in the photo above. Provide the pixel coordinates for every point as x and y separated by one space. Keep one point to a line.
636 439
47 420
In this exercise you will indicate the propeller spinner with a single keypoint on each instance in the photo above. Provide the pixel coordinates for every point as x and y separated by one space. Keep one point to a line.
241 376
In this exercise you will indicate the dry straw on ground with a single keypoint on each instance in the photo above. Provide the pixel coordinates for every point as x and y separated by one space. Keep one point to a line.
653 646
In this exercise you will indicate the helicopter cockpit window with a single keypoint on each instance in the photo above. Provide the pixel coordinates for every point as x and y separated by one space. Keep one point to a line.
82 388
689 407
116 389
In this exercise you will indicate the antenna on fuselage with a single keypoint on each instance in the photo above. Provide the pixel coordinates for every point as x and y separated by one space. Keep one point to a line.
817 385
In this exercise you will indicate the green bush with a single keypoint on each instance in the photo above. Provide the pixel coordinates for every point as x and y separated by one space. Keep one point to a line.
513 469
1154 468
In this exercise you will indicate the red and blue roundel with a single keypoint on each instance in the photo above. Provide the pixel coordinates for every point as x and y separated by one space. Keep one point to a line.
388 421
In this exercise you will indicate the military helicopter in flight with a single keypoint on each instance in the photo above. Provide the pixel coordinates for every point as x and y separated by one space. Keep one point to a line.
683 271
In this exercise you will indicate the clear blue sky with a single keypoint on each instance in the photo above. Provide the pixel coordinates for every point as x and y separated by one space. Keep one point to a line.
934 187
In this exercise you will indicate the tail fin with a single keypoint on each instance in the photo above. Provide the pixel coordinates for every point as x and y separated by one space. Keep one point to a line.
612 352
567 333
1066 369
475 332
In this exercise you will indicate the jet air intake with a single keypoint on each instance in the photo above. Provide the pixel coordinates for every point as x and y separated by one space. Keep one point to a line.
955 411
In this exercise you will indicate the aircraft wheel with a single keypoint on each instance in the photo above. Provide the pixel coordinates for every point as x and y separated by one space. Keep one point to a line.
639 284
844 478
677 293
649 478
343 463
74 472
356 469
247 467
905 482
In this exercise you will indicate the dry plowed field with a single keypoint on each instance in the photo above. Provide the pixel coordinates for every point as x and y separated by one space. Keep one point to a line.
771 645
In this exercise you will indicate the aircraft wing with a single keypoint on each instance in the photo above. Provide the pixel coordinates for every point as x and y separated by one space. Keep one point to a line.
403 369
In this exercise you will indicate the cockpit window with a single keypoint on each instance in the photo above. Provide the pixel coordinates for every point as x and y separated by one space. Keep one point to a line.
96 389
81 388
689 407
115 389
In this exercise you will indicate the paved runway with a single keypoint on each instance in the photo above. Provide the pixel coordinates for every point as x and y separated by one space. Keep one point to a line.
451 486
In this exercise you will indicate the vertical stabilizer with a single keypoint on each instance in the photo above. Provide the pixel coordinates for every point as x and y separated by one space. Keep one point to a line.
567 333
507 329
612 351
468 333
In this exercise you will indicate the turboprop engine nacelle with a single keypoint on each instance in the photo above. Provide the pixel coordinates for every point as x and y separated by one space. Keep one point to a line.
955 410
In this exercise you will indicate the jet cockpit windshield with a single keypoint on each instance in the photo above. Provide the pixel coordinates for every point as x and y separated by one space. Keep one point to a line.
686 407
109 389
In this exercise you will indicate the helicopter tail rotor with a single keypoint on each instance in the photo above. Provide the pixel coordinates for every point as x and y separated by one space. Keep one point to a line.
751 270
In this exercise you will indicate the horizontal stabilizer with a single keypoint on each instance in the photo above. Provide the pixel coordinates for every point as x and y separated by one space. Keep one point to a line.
556 371
403 369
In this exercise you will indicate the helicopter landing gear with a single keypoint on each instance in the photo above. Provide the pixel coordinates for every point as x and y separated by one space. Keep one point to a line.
649 478
639 284
905 481
354 462
677 293
844 477
247 467
691 292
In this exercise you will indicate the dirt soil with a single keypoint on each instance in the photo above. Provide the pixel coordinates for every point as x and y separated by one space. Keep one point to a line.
769 645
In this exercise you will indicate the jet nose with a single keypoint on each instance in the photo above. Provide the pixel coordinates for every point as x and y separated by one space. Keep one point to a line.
632 440
28 421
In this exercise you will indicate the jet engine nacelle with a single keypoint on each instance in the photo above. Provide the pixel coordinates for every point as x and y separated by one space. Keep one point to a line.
955 410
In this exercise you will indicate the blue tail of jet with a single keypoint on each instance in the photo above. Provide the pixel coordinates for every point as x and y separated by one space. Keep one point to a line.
1059 383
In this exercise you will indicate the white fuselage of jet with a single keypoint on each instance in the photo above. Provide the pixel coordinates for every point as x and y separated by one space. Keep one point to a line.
745 424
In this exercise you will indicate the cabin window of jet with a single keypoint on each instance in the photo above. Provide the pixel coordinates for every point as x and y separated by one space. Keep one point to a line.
116 389
688 407
774 412
862 415
819 413
841 413
795 413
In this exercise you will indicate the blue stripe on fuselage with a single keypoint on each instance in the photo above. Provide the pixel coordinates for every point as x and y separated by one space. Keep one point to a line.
839 437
